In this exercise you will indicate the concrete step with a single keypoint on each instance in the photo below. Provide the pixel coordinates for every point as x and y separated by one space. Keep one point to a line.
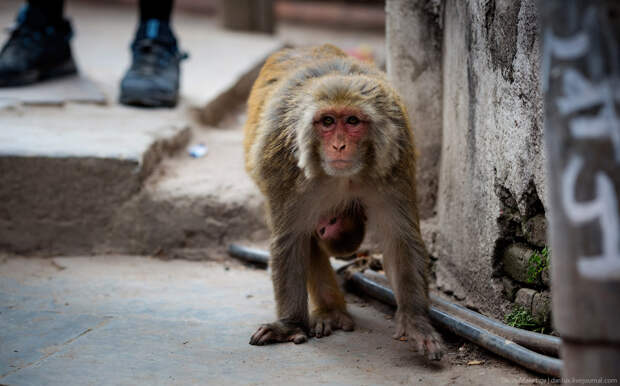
65 170
192 208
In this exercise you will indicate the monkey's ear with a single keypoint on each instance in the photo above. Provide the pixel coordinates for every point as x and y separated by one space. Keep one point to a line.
305 153
389 130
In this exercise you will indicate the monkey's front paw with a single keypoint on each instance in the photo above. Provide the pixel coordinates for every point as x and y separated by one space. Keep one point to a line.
278 332
420 334
322 323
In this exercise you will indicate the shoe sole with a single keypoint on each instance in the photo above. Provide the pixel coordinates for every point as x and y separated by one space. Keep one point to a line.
152 100
33 76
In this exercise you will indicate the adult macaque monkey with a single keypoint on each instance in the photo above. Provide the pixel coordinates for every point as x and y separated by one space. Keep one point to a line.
328 142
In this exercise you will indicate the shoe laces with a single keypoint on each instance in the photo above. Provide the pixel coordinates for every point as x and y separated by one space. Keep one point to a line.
151 56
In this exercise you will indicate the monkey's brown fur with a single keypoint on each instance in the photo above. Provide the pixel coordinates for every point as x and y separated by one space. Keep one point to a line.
284 156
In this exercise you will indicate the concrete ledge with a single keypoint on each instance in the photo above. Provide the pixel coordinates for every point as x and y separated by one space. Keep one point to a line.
193 228
54 92
64 171
192 207
59 205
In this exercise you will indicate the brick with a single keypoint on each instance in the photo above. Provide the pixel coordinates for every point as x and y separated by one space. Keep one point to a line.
510 288
515 260
535 230
525 297
541 307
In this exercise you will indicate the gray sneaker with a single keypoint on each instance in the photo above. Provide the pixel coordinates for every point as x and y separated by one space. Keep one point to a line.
153 78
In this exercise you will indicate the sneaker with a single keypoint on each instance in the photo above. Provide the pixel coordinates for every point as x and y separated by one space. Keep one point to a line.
153 78
36 50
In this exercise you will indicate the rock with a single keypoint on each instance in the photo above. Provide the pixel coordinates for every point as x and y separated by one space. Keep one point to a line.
516 261
535 230
546 277
541 307
525 297
510 288
538 304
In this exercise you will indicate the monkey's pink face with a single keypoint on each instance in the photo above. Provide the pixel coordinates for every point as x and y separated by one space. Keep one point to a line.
341 131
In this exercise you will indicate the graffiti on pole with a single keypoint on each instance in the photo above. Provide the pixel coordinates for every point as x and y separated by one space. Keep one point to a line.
596 89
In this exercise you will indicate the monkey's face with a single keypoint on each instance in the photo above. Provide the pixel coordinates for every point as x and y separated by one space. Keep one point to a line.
342 132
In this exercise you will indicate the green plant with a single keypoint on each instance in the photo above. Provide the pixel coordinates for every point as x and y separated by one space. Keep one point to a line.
538 262
519 317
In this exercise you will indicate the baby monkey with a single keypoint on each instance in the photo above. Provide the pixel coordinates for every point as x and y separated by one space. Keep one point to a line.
341 235
328 143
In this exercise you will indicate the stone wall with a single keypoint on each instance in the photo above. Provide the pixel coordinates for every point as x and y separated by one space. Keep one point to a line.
491 188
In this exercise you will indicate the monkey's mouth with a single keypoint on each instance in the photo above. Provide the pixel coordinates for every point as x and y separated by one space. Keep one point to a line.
340 164
341 167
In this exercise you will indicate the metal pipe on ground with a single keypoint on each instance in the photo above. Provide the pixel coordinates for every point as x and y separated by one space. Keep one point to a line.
250 255
500 345
544 344
541 343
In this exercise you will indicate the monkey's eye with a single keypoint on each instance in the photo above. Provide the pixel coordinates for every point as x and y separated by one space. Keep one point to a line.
353 120
327 121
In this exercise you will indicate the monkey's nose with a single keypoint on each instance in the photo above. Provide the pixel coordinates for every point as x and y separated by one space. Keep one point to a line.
339 147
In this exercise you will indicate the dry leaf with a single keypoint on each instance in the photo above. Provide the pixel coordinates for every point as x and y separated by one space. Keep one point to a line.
473 363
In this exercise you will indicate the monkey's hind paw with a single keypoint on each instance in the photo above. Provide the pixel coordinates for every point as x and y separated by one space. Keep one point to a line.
422 336
278 332
430 345
322 323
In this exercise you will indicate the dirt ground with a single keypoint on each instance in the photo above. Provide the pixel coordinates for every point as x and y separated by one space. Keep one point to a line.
140 320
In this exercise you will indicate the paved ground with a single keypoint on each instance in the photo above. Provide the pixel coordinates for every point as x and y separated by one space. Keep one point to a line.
134 320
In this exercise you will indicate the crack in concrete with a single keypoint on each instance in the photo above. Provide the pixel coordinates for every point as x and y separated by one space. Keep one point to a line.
60 347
